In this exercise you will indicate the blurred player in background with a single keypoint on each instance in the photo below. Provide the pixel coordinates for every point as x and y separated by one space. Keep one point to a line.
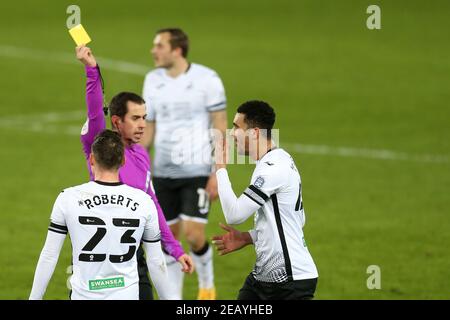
184 100
127 111
284 268
106 221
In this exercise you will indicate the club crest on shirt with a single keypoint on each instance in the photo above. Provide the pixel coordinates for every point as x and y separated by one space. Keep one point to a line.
259 182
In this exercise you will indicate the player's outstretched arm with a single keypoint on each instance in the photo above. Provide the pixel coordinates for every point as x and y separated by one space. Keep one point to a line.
231 241
46 264
158 271
94 99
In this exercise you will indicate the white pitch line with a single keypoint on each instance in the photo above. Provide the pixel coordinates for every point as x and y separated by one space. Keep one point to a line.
51 123
379 154
141 70
70 58
42 117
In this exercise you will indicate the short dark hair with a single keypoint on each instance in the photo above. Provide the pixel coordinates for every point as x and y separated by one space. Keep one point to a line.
108 150
178 39
258 114
118 105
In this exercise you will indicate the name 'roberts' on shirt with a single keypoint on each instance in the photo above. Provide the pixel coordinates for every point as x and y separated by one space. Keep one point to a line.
111 199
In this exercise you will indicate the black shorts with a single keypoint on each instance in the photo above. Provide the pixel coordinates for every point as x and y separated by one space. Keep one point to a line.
291 290
184 199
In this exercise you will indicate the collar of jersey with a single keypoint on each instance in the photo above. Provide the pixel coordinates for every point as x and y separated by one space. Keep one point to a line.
103 183
180 76
271 149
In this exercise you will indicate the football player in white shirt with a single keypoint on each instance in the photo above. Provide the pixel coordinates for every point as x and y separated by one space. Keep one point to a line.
106 221
184 100
284 268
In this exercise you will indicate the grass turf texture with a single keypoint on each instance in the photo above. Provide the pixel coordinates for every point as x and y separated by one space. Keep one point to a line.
332 81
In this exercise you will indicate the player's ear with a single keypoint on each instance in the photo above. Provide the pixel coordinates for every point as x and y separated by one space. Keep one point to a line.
178 51
91 159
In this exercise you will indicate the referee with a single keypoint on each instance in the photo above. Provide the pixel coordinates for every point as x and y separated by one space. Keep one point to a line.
284 268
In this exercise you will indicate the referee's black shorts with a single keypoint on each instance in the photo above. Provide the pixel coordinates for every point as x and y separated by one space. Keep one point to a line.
183 199
290 290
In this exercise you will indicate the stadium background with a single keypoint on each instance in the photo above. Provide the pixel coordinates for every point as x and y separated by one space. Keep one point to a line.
365 114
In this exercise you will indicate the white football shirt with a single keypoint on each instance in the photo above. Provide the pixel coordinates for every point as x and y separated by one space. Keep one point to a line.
106 223
275 194
181 106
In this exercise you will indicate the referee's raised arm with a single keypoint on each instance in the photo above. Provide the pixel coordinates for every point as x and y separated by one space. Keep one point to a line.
94 99
84 54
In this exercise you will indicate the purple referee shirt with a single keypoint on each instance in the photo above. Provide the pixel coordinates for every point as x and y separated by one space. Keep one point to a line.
136 170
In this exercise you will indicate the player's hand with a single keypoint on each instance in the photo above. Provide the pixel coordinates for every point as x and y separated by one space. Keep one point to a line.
84 54
186 263
231 241
220 152
211 187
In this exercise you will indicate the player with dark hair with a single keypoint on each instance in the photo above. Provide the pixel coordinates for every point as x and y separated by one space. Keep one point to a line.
106 221
284 268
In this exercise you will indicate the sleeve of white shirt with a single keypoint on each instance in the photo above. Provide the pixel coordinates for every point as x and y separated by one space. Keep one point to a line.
151 229
154 256
151 114
236 210
158 271
50 253
215 94
264 183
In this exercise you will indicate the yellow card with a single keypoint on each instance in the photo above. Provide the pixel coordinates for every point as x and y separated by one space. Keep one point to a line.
79 35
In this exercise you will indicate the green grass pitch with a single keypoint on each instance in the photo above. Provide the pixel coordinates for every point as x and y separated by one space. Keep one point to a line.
332 82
